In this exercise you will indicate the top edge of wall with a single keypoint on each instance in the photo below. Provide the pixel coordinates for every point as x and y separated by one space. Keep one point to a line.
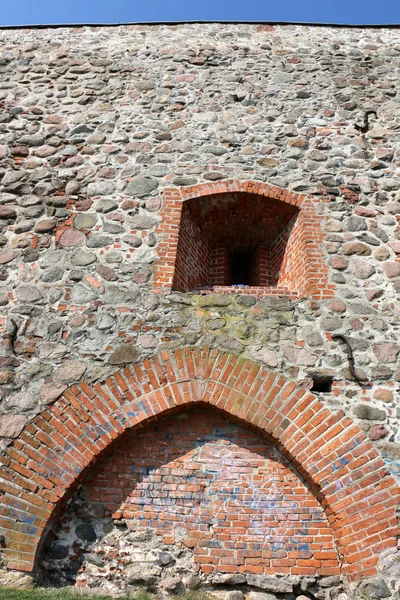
228 22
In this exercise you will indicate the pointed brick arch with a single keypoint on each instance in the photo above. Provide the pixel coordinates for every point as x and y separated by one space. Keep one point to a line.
297 250
348 475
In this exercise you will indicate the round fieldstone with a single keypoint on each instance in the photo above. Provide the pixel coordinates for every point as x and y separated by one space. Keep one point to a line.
125 353
72 370
7 212
81 294
50 392
7 256
45 226
57 552
392 269
11 425
23 401
86 532
140 187
153 204
134 241
363 269
72 237
85 220
357 248
80 258
369 413
98 241
143 222
386 352
28 293
356 224
101 188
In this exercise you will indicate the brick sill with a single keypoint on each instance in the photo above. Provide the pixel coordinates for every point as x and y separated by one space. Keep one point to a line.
251 290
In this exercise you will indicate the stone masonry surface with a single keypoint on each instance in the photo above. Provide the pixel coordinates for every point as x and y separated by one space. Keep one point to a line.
105 133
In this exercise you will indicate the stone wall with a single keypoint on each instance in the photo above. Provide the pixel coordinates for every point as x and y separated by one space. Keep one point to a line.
101 129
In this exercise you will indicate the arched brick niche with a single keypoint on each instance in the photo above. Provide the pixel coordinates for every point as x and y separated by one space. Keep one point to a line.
345 472
226 498
241 235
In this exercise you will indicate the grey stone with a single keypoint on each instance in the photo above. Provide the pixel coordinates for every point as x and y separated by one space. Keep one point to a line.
374 589
23 226
269 583
143 574
82 259
140 187
101 188
134 241
11 425
228 343
23 401
85 220
105 205
356 224
52 350
31 140
45 226
28 293
95 559
174 586
98 241
124 353
229 579
369 413
260 596
86 532
165 558
81 294
52 274
57 551
278 303
143 222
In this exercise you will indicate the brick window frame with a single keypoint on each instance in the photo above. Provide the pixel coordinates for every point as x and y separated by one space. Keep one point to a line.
303 271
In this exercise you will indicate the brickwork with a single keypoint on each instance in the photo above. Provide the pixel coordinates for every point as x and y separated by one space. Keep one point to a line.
338 462
243 216
241 505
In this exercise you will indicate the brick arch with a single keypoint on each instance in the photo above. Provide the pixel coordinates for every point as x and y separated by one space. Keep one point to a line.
303 271
44 466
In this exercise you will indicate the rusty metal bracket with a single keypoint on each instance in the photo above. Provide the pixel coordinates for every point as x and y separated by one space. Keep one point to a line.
350 356
364 128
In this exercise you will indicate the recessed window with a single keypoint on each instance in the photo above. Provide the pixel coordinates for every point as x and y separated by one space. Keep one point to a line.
235 239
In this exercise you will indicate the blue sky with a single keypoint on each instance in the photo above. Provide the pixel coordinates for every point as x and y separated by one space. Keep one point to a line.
19 12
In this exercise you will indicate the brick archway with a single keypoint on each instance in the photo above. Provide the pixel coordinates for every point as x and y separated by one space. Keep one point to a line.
348 475
294 259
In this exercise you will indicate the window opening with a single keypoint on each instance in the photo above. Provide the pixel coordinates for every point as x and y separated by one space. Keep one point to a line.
240 268
321 383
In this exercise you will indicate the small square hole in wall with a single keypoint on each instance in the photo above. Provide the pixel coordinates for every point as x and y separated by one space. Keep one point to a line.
322 383
240 268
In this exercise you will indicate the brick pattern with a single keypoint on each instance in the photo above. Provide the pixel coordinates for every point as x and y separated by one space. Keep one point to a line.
243 507
42 468
242 216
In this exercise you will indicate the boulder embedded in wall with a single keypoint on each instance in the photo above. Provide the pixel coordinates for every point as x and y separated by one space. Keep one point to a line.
125 353
50 392
11 426
140 187
23 401
386 352
299 356
72 370
374 589
270 583
368 413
